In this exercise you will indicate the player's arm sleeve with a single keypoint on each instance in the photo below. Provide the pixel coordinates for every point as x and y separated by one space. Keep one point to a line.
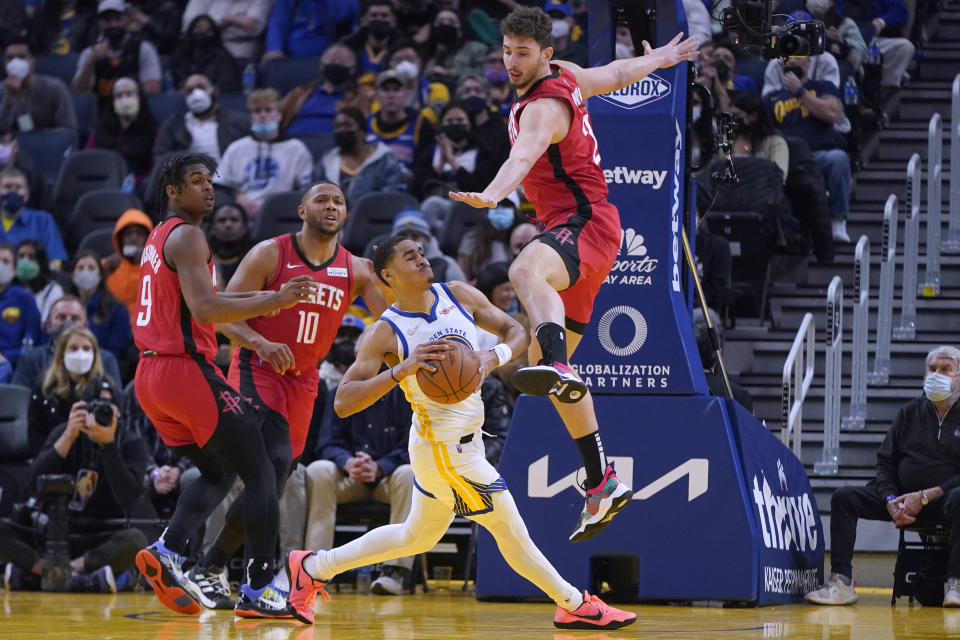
333 440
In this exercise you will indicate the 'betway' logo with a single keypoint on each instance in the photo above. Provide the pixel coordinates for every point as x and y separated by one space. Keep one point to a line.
626 175
696 470
650 89
675 211
786 522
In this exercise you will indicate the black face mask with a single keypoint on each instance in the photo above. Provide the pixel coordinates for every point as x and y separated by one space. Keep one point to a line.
202 39
474 104
379 28
346 140
342 353
336 73
446 34
456 132
723 71
115 35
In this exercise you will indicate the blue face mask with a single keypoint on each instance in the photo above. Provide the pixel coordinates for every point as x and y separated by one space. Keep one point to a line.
937 387
263 128
501 218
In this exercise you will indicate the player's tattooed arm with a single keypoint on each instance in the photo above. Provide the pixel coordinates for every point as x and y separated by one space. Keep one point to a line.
489 317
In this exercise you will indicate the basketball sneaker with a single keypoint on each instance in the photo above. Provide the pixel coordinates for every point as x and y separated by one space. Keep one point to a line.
838 590
16 579
303 587
212 589
556 379
99 581
390 582
267 602
161 567
601 503
594 613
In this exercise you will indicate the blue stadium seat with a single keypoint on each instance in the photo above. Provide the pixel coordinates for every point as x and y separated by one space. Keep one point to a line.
85 171
48 148
462 218
317 143
284 75
100 208
372 215
164 105
100 241
59 66
278 215
14 437
234 102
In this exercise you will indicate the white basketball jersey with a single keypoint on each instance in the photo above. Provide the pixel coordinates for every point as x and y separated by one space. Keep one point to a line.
432 421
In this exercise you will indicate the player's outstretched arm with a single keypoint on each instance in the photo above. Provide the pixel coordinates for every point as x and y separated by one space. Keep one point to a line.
252 275
365 286
186 250
541 123
489 317
623 73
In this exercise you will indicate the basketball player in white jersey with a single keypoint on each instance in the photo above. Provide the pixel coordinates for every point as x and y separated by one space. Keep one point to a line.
452 476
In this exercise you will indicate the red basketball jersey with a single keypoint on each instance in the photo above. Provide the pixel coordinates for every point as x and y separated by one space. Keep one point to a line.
566 179
164 323
308 328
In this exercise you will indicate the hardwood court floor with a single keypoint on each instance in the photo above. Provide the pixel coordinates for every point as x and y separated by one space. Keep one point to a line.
445 615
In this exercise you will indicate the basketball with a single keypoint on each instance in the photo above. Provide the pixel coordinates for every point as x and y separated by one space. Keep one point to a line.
456 376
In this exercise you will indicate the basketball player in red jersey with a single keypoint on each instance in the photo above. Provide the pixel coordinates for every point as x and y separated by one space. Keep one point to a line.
188 400
557 276
275 363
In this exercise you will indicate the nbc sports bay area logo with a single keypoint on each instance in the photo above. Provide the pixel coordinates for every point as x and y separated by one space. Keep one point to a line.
633 266
650 89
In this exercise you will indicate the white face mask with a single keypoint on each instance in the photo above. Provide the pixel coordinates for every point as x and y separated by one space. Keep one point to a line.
130 250
406 70
560 29
199 101
86 279
127 106
6 274
624 51
18 68
78 362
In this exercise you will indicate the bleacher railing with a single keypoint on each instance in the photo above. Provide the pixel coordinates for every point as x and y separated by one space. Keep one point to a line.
857 418
907 329
931 276
830 458
888 264
952 243
797 378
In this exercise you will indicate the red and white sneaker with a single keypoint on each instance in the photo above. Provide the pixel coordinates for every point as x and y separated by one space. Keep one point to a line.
303 587
555 379
600 504
594 613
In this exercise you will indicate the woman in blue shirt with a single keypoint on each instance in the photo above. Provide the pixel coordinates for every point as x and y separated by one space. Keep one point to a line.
108 320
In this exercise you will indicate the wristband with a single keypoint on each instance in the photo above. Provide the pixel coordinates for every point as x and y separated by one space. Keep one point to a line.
800 91
391 376
504 353
889 498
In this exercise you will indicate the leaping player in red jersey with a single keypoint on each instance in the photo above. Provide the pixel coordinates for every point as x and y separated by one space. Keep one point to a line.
188 400
557 276
275 365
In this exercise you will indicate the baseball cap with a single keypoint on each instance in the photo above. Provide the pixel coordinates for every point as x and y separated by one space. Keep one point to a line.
801 16
558 5
386 76
350 320
411 219
111 5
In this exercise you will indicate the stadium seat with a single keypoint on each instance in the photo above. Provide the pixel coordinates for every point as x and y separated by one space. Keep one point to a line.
59 66
376 240
289 73
14 435
100 241
85 108
98 209
48 148
85 171
372 215
278 215
461 219
234 102
164 105
317 143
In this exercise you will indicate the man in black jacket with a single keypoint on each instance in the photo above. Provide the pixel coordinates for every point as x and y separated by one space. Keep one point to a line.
362 457
204 127
918 478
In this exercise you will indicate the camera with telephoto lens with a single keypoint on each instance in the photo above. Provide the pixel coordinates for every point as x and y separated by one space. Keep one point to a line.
55 490
101 409
777 35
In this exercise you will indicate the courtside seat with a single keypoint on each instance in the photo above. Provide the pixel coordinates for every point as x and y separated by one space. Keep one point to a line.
373 215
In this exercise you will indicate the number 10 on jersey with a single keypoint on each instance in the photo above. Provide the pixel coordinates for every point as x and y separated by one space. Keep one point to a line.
309 323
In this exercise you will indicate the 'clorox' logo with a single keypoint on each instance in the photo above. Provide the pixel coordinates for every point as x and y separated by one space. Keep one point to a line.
648 90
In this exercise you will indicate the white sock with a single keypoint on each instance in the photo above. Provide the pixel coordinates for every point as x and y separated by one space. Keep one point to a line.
317 566
572 603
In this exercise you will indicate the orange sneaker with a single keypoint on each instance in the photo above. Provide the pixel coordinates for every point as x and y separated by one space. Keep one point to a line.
161 567
303 587
594 613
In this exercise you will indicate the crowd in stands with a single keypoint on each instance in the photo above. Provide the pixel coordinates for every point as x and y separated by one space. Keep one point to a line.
384 96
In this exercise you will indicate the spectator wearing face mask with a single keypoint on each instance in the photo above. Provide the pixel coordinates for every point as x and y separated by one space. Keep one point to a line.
127 126
264 162
407 133
31 100
489 127
414 225
123 267
458 162
488 241
307 27
117 54
311 107
201 51
229 239
66 312
241 22
407 63
564 48
107 319
12 156
19 222
377 36
447 53
19 317
358 166
34 275
205 126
